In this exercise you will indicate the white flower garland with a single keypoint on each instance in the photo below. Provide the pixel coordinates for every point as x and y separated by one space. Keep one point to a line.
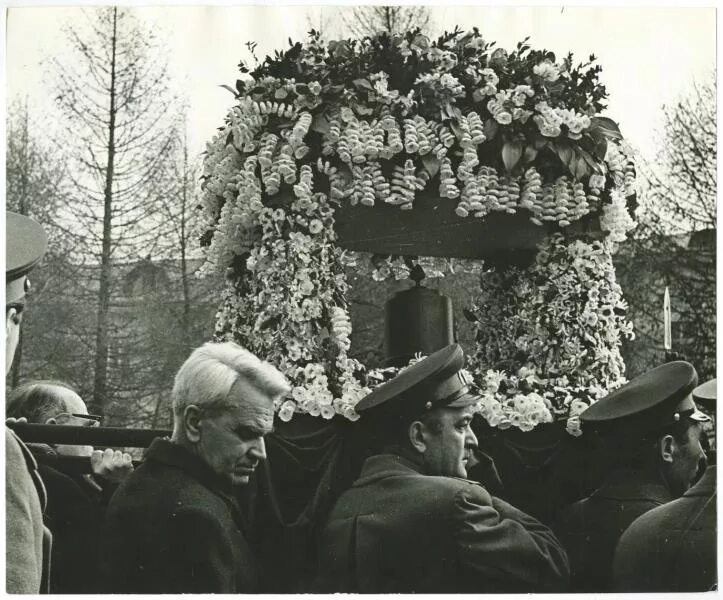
287 156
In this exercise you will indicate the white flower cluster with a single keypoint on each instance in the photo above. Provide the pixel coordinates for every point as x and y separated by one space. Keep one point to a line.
524 410
550 119
558 338
507 105
616 219
619 161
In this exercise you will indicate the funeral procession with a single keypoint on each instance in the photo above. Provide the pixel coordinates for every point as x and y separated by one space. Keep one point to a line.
360 299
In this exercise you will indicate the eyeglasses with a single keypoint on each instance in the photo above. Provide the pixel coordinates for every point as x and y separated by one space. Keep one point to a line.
95 420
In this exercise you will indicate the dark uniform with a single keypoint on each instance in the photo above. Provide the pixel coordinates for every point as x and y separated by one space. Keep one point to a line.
673 548
76 505
400 530
174 526
590 528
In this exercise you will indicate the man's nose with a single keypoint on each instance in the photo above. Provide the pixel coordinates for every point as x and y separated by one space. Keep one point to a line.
471 439
258 450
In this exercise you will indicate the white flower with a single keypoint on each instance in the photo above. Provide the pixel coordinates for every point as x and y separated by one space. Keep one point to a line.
577 407
573 426
547 70
286 411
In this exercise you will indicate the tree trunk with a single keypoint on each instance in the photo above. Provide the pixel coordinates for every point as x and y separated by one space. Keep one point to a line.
100 382
184 268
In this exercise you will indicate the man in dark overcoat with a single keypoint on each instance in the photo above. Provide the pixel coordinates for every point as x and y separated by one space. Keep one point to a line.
673 547
412 522
174 525
652 430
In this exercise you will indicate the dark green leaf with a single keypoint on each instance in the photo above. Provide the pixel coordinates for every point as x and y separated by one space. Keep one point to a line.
320 124
580 169
529 154
491 128
363 84
511 154
229 88
431 164
607 126
469 315
302 88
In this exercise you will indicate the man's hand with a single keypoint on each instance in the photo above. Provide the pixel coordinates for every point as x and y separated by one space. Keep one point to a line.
112 465
13 420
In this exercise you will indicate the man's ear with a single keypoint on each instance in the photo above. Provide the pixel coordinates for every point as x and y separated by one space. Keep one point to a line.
12 318
666 445
418 436
192 423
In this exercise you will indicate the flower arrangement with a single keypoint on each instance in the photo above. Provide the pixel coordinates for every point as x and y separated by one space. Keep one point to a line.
551 335
380 120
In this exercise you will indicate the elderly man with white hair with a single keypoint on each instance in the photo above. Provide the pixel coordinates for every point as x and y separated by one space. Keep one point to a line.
174 525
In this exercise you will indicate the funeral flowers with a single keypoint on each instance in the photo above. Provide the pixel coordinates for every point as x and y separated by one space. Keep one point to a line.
381 120
552 334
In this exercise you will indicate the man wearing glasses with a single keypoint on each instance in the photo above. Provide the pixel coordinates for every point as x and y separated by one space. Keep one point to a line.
76 500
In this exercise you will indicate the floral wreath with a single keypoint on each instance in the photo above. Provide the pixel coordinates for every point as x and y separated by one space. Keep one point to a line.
378 120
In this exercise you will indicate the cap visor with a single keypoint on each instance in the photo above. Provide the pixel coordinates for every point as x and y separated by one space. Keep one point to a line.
465 400
697 415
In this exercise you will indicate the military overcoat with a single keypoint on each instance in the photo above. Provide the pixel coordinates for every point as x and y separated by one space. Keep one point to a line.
671 548
590 529
398 530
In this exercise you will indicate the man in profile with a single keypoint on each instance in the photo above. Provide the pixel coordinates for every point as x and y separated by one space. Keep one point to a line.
27 540
652 431
174 525
673 547
412 522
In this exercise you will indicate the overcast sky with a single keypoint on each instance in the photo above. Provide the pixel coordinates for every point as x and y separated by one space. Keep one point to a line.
649 55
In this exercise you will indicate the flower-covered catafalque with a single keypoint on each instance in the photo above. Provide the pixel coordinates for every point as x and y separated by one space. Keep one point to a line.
384 121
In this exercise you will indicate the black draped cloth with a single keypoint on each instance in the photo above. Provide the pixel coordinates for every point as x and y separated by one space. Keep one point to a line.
311 461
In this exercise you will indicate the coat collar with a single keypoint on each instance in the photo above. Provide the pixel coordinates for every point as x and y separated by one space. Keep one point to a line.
381 466
706 486
164 451
634 484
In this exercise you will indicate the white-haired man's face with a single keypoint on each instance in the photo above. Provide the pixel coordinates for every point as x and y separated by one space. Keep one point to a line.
231 441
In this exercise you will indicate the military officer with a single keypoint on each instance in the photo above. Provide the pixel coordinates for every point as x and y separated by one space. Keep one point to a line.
412 522
27 540
672 548
651 429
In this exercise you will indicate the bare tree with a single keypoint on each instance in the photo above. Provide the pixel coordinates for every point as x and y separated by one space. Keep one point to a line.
674 244
114 96
363 21
35 185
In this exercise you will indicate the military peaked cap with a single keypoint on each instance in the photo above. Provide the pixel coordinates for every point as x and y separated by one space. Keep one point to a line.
434 382
25 244
705 394
651 401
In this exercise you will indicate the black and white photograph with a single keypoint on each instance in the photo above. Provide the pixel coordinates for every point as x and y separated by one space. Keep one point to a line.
360 299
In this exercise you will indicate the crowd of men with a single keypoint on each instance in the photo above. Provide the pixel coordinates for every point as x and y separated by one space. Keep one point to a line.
411 522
